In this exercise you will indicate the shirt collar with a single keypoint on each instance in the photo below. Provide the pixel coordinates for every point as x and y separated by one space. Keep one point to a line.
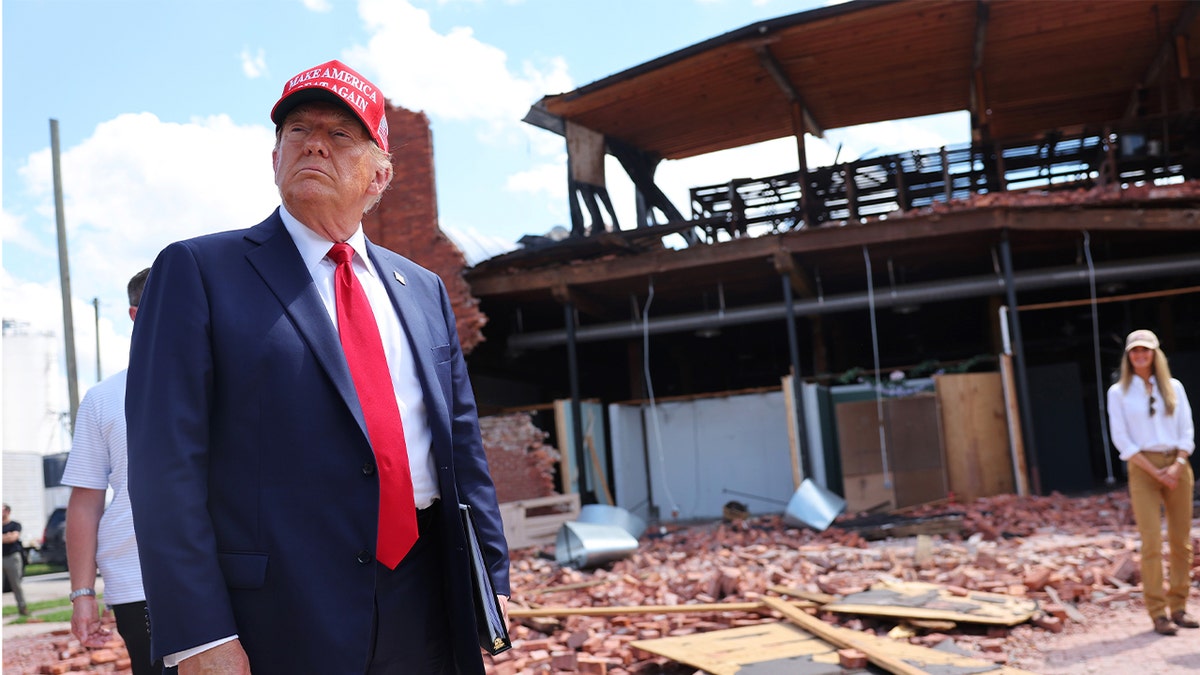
313 247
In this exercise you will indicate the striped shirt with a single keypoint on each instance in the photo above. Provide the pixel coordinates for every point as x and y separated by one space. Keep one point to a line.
97 461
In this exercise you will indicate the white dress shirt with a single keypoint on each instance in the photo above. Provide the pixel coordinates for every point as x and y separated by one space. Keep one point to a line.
403 367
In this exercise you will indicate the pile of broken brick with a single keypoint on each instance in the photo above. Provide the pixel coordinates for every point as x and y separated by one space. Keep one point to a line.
1062 552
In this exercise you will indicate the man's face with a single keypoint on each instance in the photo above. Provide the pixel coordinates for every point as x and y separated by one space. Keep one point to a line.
324 162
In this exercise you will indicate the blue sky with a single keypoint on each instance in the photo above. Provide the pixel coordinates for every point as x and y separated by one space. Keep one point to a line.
163 106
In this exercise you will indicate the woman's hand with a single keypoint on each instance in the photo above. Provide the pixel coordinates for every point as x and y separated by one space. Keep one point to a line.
1169 475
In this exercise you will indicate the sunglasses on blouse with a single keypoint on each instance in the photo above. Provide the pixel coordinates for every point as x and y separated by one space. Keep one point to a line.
1152 405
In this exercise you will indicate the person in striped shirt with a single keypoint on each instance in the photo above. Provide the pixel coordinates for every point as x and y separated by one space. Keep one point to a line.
100 537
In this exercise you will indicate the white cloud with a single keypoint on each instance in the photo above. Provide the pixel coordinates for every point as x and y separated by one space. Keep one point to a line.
134 186
317 5
459 78
254 65
548 179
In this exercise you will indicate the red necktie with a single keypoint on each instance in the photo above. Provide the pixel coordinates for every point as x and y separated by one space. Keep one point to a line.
368 366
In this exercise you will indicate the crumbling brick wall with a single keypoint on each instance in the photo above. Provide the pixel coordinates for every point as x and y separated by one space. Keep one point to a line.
521 463
406 219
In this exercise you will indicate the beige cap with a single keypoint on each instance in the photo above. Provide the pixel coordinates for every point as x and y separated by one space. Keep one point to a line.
1141 338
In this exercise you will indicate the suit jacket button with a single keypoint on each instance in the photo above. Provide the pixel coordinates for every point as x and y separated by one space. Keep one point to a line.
365 557
368 469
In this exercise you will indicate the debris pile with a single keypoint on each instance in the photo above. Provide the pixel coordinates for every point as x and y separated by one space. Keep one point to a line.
1055 550
60 652
1098 196
521 462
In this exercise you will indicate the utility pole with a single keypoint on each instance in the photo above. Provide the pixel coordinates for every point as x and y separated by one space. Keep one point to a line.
64 273
96 310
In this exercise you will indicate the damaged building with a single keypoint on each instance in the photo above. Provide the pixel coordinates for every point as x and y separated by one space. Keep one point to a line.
953 314
887 283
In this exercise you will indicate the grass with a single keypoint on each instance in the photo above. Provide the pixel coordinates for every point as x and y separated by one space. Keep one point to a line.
34 569
9 610
44 610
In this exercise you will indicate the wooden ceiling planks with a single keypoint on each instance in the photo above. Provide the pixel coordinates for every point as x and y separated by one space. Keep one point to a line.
1045 65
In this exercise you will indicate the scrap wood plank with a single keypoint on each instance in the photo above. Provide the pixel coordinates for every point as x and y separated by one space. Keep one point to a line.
724 652
816 598
621 610
901 658
919 600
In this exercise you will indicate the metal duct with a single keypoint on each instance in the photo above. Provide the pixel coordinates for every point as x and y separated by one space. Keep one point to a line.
967 287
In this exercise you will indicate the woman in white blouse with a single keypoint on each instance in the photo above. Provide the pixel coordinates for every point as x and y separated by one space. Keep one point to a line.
1151 425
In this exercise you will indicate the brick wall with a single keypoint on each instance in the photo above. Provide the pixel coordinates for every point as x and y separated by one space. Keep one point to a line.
521 463
406 220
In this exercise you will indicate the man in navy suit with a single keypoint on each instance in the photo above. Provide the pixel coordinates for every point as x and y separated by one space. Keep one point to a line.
256 464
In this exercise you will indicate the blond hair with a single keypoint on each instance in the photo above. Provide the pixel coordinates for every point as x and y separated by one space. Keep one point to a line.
1162 373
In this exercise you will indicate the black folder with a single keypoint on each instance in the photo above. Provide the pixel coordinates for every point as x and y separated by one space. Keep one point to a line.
489 619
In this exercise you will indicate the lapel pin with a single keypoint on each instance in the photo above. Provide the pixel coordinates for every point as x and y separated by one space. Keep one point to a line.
400 278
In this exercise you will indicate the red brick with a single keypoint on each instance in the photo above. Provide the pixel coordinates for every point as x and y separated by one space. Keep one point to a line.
852 658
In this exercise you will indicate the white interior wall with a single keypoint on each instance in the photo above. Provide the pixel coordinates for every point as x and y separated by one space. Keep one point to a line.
712 451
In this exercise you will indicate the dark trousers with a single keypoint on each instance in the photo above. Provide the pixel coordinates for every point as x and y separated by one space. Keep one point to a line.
412 627
133 623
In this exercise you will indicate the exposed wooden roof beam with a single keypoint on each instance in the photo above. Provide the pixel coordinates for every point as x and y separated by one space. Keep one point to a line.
775 70
583 302
785 263
1181 27
979 111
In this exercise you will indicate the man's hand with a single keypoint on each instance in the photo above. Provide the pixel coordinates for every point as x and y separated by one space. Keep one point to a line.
85 622
503 600
225 659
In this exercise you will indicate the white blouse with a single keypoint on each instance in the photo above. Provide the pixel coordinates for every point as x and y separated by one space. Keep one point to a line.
1134 429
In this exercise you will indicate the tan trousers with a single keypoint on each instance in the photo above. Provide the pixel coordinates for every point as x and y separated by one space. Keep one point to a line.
1149 498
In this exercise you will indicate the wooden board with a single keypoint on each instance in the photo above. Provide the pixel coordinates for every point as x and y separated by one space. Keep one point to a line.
535 522
918 600
975 429
912 434
789 402
893 656
868 491
795 649
1013 425
724 652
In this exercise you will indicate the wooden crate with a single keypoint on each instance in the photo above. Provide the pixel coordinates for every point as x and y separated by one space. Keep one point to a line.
535 522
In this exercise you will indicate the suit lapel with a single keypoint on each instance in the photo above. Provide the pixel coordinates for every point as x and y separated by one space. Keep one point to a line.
278 262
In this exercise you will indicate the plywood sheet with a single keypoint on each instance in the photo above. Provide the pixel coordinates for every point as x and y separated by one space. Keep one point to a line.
975 433
785 648
913 435
918 486
865 492
918 600
858 438
724 652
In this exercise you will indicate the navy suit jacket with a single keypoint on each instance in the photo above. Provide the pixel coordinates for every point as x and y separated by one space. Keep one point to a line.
252 481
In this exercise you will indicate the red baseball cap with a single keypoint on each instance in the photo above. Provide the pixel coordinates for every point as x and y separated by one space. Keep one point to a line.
335 81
